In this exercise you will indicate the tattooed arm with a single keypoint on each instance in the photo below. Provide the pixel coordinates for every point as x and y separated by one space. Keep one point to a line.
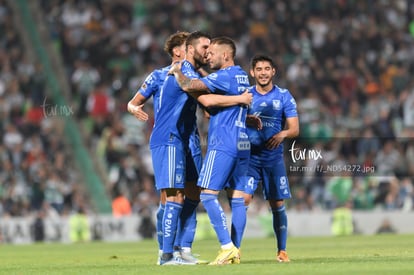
197 89
189 85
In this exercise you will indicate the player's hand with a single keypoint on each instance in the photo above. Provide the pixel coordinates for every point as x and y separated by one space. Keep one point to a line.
138 112
254 122
246 98
275 141
175 67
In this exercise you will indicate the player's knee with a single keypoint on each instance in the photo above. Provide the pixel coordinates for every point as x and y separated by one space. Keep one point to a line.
247 199
175 195
276 203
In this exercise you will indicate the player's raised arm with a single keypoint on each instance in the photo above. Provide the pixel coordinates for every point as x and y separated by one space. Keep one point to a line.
135 106
197 89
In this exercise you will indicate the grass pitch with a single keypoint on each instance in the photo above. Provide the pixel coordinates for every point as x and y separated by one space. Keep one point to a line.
381 254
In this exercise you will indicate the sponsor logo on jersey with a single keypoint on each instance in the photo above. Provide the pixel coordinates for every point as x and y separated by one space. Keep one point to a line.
242 79
276 104
243 145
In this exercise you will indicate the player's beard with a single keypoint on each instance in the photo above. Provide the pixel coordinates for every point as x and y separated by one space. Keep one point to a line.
215 64
199 60
264 83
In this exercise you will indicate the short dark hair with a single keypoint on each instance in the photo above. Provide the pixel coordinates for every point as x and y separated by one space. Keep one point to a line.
175 40
261 57
224 40
194 36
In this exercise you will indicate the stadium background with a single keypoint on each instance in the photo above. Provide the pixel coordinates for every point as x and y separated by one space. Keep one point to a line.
68 144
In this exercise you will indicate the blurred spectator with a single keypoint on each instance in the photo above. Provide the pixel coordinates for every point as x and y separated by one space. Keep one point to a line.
342 220
147 227
38 227
386 227
388 159
79 230
84 78
120 204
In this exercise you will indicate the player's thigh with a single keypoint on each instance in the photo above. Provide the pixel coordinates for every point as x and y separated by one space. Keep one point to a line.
275 182
217 170
169 167
239 175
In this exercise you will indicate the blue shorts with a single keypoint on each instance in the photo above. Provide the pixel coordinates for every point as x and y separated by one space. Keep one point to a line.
169 167
193 167
221 170
274 181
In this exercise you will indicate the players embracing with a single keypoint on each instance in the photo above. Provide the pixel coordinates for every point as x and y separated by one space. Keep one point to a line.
243 150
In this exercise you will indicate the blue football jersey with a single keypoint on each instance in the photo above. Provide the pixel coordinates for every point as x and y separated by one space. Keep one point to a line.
176 115
152 86
227 128
273 108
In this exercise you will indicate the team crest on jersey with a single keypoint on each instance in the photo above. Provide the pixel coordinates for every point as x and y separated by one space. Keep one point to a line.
213 76
144 86
276 104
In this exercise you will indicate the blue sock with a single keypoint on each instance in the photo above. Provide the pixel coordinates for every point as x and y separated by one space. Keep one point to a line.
169 225
216 216
177 240
280 226
238 220
188 223
160 215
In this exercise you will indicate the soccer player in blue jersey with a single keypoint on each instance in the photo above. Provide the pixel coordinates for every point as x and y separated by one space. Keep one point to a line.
175 47
228 149
276 109
169 143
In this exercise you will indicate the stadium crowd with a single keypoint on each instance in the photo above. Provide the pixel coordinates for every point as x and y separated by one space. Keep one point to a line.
37 175
347 63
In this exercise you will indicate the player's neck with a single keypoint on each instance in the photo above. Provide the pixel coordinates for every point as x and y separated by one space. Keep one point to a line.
193 62
227 64
264 89
176 59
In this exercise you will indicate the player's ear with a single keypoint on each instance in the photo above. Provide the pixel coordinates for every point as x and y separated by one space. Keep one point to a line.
251 73
190 49
176 51
225 56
